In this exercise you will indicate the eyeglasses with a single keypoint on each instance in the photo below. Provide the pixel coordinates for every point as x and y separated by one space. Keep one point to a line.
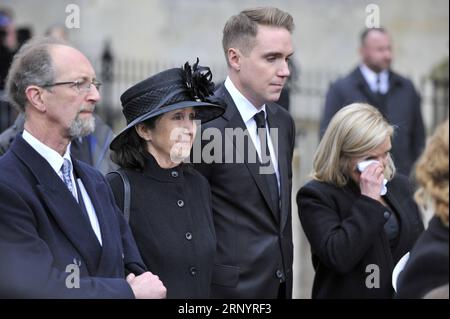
83 86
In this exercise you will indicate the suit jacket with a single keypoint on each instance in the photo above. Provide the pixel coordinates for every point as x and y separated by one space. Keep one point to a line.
427 267
93 149
43 231
346 233
254 238
402 109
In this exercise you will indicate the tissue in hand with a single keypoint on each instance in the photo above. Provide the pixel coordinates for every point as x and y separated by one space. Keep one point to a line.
362 166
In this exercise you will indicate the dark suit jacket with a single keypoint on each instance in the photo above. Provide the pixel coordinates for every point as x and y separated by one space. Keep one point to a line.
254 242
427 267
345 230
402 110
42 231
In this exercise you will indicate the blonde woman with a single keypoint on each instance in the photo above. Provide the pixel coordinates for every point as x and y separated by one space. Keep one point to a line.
427 267
358 215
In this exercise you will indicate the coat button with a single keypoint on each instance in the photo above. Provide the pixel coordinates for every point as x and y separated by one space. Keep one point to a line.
279 274
188 236
193 271
386 215
174 174
180 203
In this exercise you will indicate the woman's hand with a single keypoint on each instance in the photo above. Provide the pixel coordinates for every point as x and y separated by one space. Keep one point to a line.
371 179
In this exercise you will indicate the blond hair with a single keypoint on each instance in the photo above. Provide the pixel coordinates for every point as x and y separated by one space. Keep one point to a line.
353 131
240 30
432 173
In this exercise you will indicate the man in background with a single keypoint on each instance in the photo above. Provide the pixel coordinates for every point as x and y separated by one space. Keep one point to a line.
374 82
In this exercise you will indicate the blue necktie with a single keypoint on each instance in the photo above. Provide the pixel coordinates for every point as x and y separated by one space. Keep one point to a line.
65 170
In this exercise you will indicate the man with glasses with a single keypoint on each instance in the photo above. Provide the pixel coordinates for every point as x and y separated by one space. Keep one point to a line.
92 149
61 235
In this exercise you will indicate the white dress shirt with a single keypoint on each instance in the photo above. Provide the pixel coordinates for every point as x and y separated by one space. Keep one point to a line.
248 111
371 79
56 161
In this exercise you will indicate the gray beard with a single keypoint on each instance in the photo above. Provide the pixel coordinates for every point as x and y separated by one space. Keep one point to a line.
81 128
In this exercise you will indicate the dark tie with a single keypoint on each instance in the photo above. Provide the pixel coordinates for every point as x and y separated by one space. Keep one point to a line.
381 98
378 84
271 178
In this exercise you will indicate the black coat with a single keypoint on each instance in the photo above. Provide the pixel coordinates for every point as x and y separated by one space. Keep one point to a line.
254 239
171 220
345 230
427 267
402 109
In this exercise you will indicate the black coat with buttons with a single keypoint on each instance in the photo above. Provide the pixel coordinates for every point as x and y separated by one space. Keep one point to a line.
351 253
171 220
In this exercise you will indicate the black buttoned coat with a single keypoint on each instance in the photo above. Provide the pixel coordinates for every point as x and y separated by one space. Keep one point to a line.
171 221
351 253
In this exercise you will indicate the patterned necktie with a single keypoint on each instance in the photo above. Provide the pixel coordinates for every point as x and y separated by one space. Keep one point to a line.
65 170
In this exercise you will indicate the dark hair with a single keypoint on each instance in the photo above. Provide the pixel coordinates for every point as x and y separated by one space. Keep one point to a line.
366 32
132 153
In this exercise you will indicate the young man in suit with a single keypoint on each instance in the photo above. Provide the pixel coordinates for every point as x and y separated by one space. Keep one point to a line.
375 83
61 235
251 204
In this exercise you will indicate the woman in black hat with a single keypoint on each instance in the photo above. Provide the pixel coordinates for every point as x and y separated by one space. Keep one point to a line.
170 202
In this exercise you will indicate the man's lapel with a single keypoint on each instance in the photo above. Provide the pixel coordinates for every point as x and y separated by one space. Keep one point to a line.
235 122
61 204
281 151
364 88
97 190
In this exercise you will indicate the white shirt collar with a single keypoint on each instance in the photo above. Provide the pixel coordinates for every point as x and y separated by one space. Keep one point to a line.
371 79
51 156
56 161
244 106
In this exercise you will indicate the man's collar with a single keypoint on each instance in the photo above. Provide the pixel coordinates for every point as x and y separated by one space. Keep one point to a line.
244 106
371 78
51 156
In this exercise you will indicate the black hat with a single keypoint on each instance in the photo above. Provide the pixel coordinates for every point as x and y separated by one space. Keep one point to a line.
170 90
